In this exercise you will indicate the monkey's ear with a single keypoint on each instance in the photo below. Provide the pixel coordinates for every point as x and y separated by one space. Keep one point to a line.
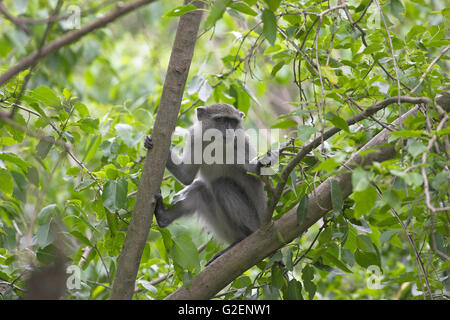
201 113
242 114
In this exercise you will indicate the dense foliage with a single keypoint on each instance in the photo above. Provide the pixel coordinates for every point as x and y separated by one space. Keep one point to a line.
72 127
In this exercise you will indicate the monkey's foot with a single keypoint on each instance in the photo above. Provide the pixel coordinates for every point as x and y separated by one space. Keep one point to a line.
148 142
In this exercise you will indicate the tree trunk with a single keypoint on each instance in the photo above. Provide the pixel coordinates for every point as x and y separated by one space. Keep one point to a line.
153 170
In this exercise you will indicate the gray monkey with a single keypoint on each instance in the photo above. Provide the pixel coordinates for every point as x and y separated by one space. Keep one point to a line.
229 198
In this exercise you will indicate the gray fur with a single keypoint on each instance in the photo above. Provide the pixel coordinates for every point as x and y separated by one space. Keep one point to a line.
229 201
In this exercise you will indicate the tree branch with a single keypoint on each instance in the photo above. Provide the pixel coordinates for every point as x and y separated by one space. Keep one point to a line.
155 162
276 234
71 37
326 135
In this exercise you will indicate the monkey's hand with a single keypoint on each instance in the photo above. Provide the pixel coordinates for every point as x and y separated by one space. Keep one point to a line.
269 159
160 216
148 142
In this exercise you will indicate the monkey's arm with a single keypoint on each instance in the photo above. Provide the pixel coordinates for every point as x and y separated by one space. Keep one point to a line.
181 169
184 172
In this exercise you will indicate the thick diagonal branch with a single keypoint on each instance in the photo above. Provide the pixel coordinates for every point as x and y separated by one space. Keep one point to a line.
276 234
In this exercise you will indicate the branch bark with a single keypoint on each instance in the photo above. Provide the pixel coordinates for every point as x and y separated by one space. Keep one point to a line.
155 163
71 37
276 234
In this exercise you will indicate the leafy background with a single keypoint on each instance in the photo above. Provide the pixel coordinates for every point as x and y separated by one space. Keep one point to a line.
72 155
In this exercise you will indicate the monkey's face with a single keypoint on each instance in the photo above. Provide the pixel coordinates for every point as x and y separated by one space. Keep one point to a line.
223 123
221 119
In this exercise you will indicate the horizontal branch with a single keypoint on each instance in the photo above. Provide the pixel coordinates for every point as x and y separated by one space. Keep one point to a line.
329 133
277 234
71 37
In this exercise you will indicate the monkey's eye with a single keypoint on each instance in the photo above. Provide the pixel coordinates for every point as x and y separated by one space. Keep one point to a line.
221 120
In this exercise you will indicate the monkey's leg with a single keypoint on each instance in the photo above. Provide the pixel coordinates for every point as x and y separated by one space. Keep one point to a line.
241 216
188 201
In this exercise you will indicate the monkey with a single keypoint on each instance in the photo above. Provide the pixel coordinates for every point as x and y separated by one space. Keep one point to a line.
229 198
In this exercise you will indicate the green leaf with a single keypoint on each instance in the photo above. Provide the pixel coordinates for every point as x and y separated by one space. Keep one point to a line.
67 93
185 253
304 132
307 277
365 201
397 9
337 121
415 31
187 279
82 110
242 7
84 184
43 235
46 213
269 26
82 238
73 171
273 4
329 73
360 180
179 11
407 133
277 67
284 124
387 235
205 91
336 196
241 96
216 12
195 84
249 92
347 257
122 160
327 165
88 125
391 198
33 175
278 280
46 96
366 259
11 157
302 209
6 181
92 147
111 219
294 290
44 147
336 262
415 147
114 195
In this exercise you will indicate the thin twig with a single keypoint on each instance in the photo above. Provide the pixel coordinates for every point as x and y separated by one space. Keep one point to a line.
391 46
422 78
418 259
